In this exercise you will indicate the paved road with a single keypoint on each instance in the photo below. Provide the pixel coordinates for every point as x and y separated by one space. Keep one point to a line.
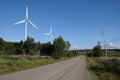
73 69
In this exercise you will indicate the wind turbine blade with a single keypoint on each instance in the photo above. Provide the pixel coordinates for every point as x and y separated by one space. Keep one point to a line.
26 12
20 22
33 24
50 30
47 34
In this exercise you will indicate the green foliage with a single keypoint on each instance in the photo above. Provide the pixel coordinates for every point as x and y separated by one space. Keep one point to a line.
56 55
106 69
59 45
6 47
90 53
15 60
58 49
112 65
38 47
67 43
28 46
1 46
69 54
72 53
18 47
96 52
9 65
47 49
9 48
113 53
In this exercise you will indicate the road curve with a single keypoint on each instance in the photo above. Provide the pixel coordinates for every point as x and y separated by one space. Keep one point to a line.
73 69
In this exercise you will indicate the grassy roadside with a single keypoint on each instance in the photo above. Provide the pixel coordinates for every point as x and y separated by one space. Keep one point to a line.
91 62
104 69
12 65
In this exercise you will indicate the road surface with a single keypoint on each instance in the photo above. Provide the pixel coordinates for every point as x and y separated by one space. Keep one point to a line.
73 69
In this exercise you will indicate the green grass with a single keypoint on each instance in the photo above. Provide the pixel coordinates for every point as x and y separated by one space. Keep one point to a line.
105 69
114 53
11 65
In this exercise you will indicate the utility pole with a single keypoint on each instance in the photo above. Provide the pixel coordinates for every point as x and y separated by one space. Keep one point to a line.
105 44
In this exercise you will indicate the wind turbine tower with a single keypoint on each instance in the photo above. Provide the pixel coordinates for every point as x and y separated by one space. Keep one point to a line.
26 21
105 43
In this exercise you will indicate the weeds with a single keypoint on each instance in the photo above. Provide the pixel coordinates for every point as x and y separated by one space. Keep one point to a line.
106 69
11 65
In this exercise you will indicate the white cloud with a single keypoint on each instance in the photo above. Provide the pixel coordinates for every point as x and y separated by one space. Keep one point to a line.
111 45
78 47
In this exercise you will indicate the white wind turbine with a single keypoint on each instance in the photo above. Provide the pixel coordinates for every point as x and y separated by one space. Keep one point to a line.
26 21
50 34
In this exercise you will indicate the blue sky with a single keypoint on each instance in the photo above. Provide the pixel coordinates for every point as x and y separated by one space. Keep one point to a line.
81 22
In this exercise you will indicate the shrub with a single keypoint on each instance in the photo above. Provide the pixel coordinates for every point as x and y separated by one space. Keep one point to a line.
56 55
90 54
112 65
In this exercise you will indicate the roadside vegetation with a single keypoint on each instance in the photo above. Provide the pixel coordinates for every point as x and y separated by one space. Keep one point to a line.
16 56
113 52
8 65
105 68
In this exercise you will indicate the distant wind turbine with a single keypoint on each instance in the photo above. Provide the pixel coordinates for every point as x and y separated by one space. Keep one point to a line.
50 34
26 21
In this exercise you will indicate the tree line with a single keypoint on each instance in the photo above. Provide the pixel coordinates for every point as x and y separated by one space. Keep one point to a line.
58 49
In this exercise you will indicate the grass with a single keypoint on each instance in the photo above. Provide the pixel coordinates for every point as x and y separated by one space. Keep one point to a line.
114 53
90 63
110 53
11 65
105 69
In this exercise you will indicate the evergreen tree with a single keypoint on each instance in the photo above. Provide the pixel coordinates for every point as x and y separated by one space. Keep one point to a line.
29 46
97 50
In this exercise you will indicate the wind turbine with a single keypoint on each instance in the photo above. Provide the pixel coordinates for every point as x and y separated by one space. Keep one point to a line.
50 34
26 21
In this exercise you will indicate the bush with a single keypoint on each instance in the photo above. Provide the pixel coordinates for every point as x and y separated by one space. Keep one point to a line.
90 54
112 65
69 54
56 55
105 69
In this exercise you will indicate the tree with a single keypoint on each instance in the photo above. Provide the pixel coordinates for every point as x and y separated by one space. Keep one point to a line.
59 46
9 48
29 46
97 50
67 43
47 49
18 47
1 46
38 47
